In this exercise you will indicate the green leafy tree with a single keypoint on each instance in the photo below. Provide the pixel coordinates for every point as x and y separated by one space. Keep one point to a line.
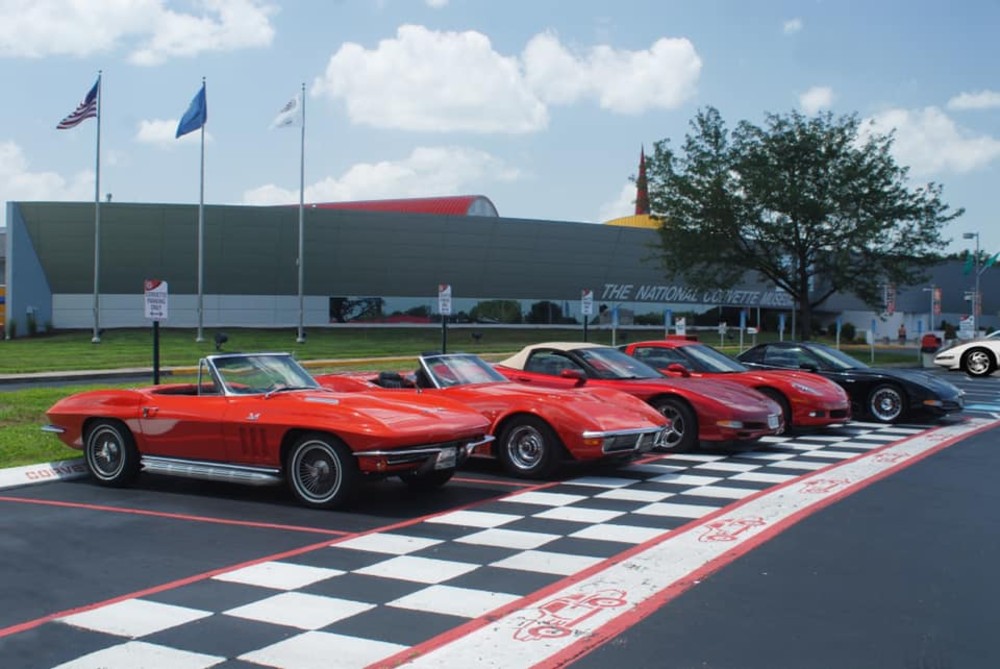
545 311
815 205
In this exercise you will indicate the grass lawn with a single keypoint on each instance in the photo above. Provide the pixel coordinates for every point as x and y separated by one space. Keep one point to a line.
22 412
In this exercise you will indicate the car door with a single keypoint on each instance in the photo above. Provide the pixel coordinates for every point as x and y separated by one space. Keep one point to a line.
184 425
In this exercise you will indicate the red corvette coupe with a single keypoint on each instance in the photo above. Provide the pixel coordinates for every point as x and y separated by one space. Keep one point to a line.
698 409
260 419
535 428
806 400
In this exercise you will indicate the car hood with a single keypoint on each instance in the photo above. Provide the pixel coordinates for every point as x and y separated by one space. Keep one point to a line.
930 381
601 408
730 393
390 412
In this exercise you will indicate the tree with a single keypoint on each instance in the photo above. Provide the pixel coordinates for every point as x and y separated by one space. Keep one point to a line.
814 205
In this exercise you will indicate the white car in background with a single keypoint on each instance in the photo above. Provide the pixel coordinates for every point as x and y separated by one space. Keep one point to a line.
979 357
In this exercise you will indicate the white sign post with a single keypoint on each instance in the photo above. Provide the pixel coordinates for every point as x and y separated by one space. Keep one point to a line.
155 298
444 308
586 308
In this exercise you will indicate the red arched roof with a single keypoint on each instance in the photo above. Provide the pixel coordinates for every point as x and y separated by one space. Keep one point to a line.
456 205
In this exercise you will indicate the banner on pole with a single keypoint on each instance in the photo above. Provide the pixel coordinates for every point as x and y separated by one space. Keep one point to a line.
155 294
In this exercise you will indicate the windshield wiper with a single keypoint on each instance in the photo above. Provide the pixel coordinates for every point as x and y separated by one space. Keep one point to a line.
283 389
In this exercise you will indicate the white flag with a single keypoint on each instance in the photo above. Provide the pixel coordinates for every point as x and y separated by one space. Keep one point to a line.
290 115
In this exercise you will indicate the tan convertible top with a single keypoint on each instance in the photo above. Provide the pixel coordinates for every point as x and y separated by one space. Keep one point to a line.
519 359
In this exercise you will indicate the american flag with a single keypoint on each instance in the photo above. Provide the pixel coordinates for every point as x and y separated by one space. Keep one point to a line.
87 109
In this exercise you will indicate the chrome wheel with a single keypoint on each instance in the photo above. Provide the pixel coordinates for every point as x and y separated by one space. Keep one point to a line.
682 433
885 404
528 447
110 453
978 362
321 472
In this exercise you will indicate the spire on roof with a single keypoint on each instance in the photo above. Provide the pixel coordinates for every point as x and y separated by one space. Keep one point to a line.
641 187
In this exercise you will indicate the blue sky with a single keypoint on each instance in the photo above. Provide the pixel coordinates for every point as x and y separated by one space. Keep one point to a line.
542 106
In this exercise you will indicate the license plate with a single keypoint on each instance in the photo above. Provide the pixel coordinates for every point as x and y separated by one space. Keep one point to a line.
773 422
446 459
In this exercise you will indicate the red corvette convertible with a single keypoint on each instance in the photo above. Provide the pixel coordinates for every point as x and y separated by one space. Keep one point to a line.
806 400
698 409
261 419
535 428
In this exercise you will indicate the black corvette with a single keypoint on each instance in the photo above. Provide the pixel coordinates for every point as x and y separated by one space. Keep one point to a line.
882 394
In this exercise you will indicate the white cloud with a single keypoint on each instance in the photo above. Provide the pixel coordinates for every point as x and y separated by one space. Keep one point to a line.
159 132
436 4
17 182
153 33
929 142
435 81
623 205
979 100
627 82
816 99
792 26
426 172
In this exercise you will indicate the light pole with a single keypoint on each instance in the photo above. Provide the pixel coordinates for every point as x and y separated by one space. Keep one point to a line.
975 290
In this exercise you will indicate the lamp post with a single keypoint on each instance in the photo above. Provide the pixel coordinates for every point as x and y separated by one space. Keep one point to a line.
975 290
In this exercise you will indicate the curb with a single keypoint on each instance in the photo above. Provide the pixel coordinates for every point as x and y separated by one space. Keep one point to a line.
42 473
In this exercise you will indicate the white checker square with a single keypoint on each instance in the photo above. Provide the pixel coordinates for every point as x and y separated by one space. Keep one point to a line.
300 610
686 479
654 468
474 518
696 457
547 563
862 444
278 575
578 514
763 477
827 437
633 495
626 534
508 539
542 498
676 510
803 446
602 482
451 601
761 455
771 439
141 654
134 618
727 466
800 464
418 569
834 455
322 650
720 492
385 542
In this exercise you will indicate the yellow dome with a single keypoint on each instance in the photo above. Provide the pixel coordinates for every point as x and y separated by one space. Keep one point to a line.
636 221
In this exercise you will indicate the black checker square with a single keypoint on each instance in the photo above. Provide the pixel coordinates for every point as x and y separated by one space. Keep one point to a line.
545 526
50 645
589 547
458 551
363 588
222 635
211 595
395 625
510 581
335 557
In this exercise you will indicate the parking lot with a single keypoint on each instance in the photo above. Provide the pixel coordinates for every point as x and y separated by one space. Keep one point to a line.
489 570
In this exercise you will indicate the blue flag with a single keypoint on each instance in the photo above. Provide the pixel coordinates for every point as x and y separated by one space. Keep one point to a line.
195 116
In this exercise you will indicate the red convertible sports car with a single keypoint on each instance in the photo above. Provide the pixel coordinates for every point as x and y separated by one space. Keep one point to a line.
698 409
806 400
261 418
535 428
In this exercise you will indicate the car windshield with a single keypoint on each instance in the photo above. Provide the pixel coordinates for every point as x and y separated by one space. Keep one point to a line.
711 360
459 369
835 359
610 363
261 373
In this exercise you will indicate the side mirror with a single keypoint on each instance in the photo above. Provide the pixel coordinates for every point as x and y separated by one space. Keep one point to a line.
679 369
574 374
809 368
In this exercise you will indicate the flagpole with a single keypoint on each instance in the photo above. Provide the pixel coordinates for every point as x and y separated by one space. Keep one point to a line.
96 338
302 208
201 230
